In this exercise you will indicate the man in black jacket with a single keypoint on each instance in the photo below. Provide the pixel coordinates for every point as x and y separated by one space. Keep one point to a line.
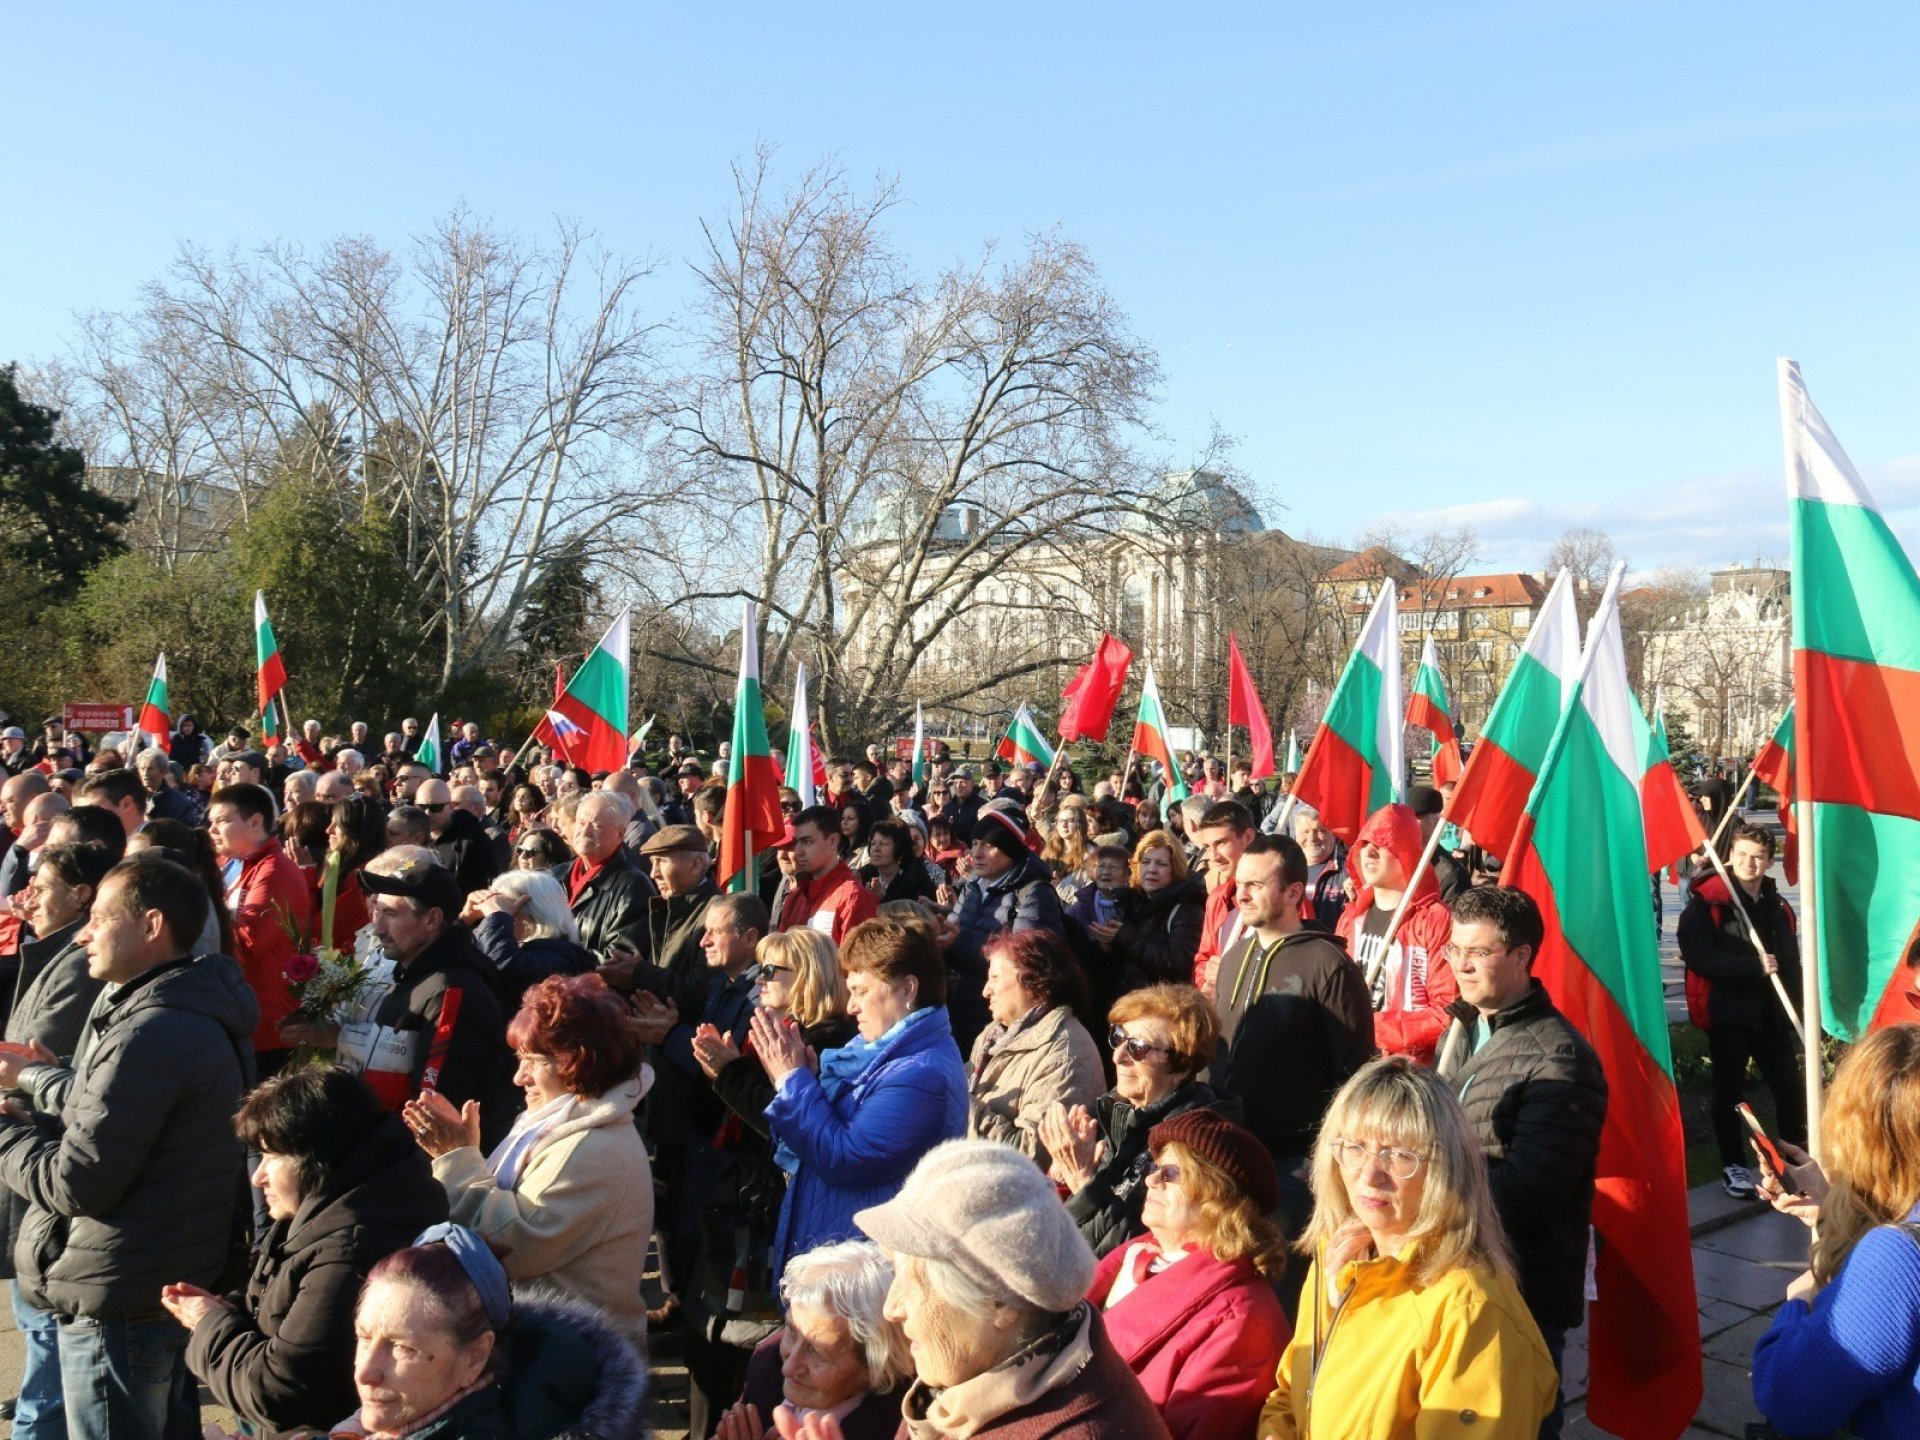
1745 1019
606 889
1295 1023
140 1186
1536 1097
459 839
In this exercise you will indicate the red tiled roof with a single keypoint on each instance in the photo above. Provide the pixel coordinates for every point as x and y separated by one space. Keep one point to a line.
1467 592
1371 564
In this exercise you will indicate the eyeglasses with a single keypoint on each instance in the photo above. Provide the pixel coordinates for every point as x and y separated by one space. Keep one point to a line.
790 807
766 972
531 850
436 809
1166 1172
1478 954
1351 1155
1136 1049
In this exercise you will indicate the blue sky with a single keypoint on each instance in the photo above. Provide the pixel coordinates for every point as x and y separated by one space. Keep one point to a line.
1524 264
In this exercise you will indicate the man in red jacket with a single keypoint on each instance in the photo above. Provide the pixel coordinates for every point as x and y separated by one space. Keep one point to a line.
1410 980
826 895
269 903
1224 832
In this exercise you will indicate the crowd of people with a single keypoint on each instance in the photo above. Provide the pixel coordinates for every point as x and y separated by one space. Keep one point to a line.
999 1103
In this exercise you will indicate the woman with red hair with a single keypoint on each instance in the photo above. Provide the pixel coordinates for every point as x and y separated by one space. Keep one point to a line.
568 1194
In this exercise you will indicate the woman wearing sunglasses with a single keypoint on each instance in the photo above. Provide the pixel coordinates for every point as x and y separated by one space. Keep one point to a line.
1410 1310
1190 1305
1160 1038
801 985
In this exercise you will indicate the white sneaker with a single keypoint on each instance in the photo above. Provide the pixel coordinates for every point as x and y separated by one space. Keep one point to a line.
1740 1182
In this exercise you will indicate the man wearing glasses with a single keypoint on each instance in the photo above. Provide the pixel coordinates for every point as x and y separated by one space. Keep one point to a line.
1295 1023
459 839
1536 1097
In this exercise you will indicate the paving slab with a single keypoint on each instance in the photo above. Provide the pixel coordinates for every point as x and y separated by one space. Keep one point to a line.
1727 1404
1728 1277
1718 1315
1735 1345
1773 1239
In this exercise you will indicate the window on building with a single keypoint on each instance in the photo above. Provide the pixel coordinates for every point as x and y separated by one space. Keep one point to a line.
1522 618
1477 619
1483 651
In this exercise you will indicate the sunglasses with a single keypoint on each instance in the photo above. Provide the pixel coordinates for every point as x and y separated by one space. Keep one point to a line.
790 807
1167 1173
1118 1039
531 850
436 809
767 972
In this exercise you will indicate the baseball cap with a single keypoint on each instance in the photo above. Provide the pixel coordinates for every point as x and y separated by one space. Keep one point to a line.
13 732
421 881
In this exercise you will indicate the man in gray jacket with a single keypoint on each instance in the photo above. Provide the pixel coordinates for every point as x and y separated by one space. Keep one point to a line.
140 1184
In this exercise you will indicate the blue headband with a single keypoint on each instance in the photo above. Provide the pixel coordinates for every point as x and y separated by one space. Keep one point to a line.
481 1264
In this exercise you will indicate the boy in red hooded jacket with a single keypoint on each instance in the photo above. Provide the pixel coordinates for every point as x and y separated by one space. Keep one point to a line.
1412 983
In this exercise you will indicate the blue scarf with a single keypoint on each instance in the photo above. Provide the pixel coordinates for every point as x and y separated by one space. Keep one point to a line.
841 1067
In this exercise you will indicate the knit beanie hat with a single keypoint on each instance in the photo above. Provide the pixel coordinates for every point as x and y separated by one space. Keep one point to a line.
1221 1143
1003 826
986 1209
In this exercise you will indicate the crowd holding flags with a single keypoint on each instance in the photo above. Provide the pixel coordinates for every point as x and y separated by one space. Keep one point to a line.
1357 761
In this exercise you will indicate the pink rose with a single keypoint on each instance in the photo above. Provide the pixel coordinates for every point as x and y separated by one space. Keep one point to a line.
301 968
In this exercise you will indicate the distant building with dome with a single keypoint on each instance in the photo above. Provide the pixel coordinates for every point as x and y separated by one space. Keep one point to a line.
1158 576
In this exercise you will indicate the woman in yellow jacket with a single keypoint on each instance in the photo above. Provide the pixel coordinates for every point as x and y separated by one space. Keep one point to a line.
1415 1329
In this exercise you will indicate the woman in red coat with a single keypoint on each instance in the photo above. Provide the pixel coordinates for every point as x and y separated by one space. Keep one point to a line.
1189 1305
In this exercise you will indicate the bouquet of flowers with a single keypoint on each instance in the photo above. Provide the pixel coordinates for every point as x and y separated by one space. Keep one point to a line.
324 981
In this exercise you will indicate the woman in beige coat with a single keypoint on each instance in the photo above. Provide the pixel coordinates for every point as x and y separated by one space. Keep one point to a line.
568 1194
1035 1054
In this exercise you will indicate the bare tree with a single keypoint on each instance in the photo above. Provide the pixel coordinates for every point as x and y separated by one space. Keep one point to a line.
891 454
1588 557
495 393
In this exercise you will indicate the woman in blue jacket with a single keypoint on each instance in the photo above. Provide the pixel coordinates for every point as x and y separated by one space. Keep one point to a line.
851 1131
1844 1351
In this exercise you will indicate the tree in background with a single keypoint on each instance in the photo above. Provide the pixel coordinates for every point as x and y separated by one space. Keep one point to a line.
556 626
56 527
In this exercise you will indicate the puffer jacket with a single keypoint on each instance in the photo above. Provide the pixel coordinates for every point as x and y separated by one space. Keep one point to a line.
280 1353
1401 1360
1203 1337
1536 1097
1414 984
857 1148
1021 899
1047 1061
144 1186
467 851
1159 937
580 1213
514 966
1107 1209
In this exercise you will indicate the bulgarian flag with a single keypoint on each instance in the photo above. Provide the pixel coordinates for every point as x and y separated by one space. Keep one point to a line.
1506 759
588 723
753 820
1293 753
1150 739
1357 761
271 669
1581 853
430 754
1427 709
919 747
1773 766
1023 743
1855 738
1671 822
156 715
804 772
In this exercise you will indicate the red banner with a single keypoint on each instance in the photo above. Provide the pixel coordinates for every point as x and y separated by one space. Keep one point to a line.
96 719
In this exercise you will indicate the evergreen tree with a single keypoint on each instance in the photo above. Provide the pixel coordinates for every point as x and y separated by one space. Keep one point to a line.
57 527
555 624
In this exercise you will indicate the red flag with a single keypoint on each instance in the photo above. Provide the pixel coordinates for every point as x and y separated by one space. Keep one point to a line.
1094 691
1244 708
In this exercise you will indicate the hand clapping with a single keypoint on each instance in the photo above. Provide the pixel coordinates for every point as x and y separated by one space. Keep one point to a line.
438 1127
779 1047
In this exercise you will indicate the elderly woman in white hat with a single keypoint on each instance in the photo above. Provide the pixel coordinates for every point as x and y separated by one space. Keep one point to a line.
990 1281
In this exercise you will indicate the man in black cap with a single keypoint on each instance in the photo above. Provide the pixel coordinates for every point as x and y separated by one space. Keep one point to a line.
439 1028
669 963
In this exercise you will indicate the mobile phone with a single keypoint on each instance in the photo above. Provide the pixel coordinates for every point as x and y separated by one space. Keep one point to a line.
1762 1142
